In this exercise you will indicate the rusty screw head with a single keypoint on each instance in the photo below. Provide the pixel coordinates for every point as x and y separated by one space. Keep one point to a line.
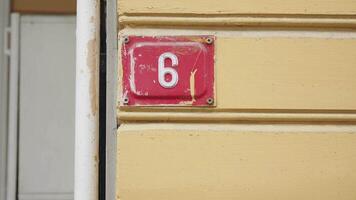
210 101
209 40
126 100
126 39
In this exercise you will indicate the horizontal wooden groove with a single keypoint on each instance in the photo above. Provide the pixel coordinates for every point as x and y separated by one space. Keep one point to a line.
236 117
239 21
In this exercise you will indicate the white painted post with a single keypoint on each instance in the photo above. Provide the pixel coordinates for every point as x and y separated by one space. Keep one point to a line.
87 100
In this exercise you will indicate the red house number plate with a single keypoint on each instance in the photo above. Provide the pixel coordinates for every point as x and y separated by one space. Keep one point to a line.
168 71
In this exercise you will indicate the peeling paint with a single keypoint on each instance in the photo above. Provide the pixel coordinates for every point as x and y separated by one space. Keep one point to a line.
92 63
192 84
124 96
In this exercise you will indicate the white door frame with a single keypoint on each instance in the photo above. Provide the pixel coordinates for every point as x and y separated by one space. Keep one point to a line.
4 22
11 179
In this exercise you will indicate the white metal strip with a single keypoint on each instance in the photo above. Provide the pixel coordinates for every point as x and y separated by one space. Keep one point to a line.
111 99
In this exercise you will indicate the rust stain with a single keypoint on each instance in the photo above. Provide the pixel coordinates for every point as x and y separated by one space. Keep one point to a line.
94 75
196 39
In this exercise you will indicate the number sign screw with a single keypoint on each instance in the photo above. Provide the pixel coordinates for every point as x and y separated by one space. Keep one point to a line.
210 101
126 39
209 40
126 101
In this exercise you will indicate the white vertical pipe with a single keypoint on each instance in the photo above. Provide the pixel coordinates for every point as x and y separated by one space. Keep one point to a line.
87 100
11 178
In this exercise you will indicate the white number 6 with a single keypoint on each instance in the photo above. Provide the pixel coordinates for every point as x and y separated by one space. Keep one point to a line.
162 70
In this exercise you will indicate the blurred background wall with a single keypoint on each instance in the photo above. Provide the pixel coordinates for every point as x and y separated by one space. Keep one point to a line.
45 118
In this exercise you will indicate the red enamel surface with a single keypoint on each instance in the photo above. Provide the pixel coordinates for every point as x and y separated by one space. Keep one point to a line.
140 71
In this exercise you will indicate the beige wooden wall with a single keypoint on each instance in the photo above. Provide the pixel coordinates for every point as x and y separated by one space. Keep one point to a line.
285 122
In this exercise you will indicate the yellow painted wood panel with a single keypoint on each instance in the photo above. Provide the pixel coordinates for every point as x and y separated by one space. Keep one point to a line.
310 7
254 162
286 73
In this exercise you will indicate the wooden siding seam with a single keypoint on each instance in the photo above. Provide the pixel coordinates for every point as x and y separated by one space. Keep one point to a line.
239 21
244 117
